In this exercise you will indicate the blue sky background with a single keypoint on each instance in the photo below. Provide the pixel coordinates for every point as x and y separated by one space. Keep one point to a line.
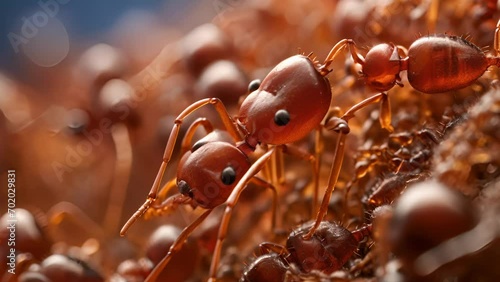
86 21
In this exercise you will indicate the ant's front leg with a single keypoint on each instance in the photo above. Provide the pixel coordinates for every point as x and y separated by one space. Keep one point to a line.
385 110
339 125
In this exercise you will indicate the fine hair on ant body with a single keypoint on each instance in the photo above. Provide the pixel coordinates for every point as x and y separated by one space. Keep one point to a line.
280 112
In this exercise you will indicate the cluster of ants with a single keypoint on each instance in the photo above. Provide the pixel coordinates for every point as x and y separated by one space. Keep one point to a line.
320 188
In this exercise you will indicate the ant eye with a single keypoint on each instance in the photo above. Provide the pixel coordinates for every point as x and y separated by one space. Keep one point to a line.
198 144
254 85
281 118
228 175
184 188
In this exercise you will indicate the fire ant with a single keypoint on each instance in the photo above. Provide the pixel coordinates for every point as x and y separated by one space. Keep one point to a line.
330 248
434 64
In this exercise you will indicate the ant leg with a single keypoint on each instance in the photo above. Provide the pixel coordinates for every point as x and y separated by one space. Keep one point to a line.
313 160
150 78
123 166
152 75
385 115
432 15
58 212
280 168
362 232
496 41
165 189
333 53
355 54
261 182
346 198
186 141
267 172
167 206
370 100
385 110
227 120
318 149
275 169
369 257
231 202
335 124
343 129
169 148
176 246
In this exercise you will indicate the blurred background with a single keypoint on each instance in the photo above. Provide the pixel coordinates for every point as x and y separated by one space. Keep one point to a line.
91 22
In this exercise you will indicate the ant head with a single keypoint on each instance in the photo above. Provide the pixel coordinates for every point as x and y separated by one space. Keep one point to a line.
210 171
328 250
290 102
268 267
382 67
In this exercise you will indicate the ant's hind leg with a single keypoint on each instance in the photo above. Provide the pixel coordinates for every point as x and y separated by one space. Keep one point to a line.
385 115
123 167
496 41
261 182
313 161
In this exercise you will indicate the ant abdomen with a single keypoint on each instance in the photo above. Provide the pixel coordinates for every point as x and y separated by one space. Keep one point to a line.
444 63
